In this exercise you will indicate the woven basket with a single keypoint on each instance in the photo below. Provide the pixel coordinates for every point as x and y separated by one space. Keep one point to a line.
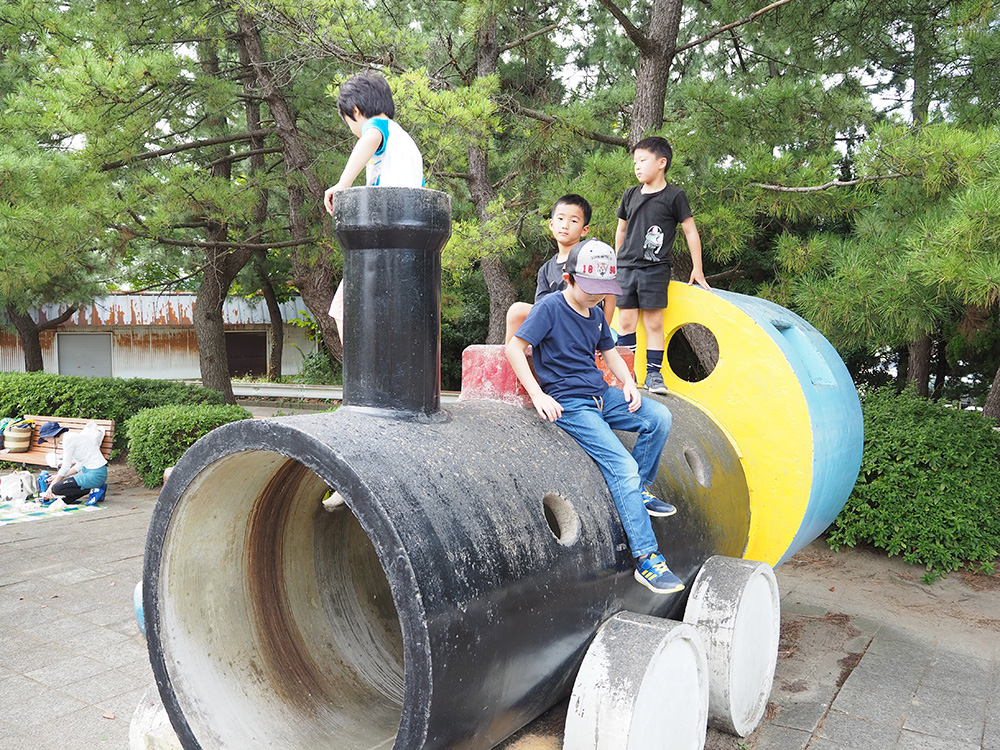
17 439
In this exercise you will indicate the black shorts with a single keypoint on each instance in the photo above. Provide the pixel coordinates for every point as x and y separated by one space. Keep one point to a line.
643 288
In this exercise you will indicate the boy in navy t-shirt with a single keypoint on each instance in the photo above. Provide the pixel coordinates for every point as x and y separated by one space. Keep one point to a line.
564 330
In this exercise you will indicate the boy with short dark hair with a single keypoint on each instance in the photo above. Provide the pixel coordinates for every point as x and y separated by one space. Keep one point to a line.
564 330
384 149
569 222
648 217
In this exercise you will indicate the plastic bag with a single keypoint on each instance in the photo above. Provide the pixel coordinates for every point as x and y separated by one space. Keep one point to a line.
18 486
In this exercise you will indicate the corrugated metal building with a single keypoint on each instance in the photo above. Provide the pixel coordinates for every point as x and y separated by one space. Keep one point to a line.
151 335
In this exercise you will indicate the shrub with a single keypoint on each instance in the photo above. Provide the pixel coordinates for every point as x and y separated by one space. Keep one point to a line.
929 487
317 369
158 437
99 398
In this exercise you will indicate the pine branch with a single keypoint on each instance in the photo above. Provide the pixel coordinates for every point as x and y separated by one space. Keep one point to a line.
732 273
244 155
185 147
131 233
723 29
637 38
611 140
525 38
828 185
59 320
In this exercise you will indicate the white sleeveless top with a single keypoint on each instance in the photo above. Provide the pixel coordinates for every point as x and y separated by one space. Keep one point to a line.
397 162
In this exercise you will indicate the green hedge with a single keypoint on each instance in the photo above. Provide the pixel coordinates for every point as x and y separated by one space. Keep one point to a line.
929 487
95 398
158 437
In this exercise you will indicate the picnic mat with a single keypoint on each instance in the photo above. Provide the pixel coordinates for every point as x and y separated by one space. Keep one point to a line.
9 512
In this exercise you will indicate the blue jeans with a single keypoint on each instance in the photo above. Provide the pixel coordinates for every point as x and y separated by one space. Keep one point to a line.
590 421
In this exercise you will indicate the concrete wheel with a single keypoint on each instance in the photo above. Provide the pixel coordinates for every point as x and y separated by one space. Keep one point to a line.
643 685
734 605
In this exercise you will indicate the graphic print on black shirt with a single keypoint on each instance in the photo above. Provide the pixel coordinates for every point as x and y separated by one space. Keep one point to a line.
653 244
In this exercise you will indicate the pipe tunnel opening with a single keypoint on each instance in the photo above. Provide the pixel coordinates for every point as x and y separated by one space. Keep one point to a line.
278 627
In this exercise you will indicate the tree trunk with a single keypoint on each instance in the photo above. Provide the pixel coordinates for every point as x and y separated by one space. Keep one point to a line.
498 284
28 331
902 367
31 343
274 314
209 330
258 164
657 47
940 367
920 365
992 406
923 40
221 267
502 296
312 272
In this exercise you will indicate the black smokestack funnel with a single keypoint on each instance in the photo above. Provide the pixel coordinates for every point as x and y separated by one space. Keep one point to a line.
392 239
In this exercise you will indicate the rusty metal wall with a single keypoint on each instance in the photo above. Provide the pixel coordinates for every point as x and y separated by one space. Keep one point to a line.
150 351
165 309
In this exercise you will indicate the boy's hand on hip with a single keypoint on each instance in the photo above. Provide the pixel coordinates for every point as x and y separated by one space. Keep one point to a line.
547 407
632 397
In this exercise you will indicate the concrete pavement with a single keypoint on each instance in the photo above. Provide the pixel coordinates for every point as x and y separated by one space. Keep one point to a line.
73 664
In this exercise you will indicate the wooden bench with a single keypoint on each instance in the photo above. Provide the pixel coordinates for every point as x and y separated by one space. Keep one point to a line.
37 455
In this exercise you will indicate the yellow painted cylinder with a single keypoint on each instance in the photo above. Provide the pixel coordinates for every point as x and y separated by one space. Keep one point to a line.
782 394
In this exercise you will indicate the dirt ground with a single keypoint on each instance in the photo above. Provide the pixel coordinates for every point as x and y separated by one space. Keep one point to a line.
963 607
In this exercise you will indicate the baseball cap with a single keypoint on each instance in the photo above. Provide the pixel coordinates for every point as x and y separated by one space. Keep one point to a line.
593 264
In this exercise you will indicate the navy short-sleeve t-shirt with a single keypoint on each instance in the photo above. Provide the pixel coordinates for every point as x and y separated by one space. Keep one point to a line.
563 343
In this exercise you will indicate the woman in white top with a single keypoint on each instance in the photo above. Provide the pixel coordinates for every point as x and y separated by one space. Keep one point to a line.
83 466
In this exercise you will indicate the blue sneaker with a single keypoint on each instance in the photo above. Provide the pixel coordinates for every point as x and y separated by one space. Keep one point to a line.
655 506
654 382
97 494
652 572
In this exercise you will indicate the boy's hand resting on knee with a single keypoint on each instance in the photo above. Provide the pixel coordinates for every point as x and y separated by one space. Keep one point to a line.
631 394
546 406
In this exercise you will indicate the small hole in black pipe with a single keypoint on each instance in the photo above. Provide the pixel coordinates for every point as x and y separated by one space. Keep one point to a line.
561 516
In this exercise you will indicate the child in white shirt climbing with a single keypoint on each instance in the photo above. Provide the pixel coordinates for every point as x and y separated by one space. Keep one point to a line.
384 149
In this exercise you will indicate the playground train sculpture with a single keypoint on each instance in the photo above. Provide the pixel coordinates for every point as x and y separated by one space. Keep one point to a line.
451 598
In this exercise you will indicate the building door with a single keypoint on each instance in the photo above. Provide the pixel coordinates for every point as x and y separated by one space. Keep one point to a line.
246 353
87 354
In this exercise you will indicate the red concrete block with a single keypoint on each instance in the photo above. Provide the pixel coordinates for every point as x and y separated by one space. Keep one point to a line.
486 374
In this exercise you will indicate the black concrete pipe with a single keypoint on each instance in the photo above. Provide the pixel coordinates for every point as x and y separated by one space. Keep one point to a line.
448 603
392 239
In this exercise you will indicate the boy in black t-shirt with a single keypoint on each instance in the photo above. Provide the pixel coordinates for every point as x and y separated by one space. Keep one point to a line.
648 217
569 223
